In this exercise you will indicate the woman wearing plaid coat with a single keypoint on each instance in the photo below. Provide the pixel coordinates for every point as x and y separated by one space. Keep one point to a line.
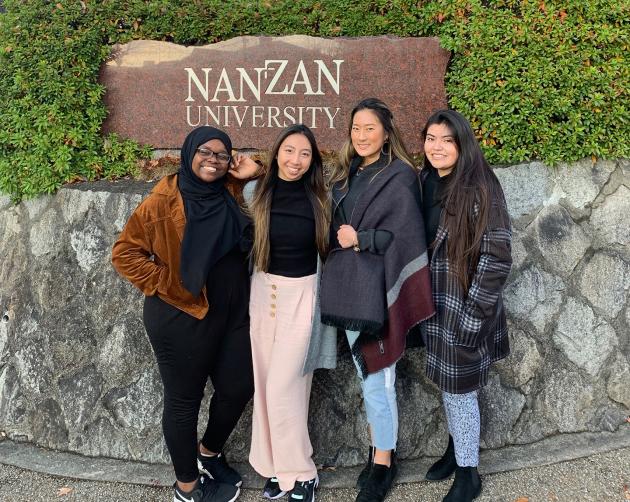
468 229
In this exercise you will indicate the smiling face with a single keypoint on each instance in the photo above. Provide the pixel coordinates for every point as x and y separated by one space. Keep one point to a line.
209 168
294 157
368 135
440 148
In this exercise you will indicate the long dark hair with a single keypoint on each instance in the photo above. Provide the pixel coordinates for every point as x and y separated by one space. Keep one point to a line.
470 190
315 190
396 146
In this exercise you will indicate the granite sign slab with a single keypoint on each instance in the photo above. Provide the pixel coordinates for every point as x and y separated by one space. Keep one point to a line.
252 87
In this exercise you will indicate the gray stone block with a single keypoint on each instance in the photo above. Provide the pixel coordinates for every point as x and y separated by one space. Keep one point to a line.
79 395
35 207
524 361
561 241
610 221
13 417
619 381
5 201
586 340
604 282
137 406
534 296
526 188
9 226
33 364
500 409
47 425
44 235
578 184
567 402
519 252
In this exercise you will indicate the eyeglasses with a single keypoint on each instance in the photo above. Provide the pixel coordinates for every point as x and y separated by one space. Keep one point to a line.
208 154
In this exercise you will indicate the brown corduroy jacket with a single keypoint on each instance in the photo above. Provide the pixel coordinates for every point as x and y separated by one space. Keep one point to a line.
147 253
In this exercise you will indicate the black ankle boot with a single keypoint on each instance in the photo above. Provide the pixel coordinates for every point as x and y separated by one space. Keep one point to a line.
379 481
366 470
444 467
466 487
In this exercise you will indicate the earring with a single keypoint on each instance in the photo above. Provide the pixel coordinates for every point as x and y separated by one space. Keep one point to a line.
389 150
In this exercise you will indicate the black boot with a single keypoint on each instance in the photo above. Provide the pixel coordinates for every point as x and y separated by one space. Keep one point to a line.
366 470
378 482
444 467
466 487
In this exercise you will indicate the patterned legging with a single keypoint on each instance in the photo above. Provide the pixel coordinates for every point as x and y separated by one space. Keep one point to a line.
462 416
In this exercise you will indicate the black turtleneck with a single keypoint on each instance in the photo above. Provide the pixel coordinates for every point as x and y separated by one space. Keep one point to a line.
432 193
292 231
358 181
373 240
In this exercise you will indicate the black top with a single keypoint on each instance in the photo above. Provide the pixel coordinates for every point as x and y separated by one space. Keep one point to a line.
432 193
292 231
227 289
372 240
358 181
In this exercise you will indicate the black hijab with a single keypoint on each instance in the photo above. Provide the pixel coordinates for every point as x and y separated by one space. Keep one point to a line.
214 222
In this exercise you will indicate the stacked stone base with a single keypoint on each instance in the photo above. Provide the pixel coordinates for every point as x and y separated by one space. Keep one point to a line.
77 372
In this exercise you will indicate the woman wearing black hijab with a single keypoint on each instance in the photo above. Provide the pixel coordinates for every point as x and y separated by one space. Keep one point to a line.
185 247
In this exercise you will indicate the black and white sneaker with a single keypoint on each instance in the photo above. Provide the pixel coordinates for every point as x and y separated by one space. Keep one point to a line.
217 468
207 490
304 491
272 489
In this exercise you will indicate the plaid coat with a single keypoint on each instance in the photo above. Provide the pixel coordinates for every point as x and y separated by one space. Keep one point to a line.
469 330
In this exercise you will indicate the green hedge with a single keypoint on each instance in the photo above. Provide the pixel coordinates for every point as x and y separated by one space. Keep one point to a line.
538 79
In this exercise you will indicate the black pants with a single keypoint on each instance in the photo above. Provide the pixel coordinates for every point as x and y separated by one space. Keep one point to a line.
188 351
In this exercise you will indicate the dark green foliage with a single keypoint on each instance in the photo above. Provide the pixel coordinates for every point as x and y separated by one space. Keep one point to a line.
542 79
51 106
538 79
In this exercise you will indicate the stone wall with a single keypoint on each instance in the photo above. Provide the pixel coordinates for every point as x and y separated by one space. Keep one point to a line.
77 373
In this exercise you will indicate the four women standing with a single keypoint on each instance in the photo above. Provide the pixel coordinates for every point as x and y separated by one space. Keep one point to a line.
184 248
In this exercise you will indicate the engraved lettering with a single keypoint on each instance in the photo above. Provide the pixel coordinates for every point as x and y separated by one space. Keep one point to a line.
215 118
280 70
331 118
257 112
273 112
193 78
254 88
301 70
240 119
289 116
189 120
323 69
227 87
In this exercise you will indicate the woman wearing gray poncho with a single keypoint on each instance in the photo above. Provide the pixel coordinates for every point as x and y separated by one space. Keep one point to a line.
375 283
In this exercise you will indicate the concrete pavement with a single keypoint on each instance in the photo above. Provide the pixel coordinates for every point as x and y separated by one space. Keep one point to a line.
529 473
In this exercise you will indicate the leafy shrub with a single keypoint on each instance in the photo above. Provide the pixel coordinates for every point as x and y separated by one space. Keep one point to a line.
539 79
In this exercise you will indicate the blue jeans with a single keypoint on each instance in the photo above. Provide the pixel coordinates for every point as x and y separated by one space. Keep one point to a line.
379 398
